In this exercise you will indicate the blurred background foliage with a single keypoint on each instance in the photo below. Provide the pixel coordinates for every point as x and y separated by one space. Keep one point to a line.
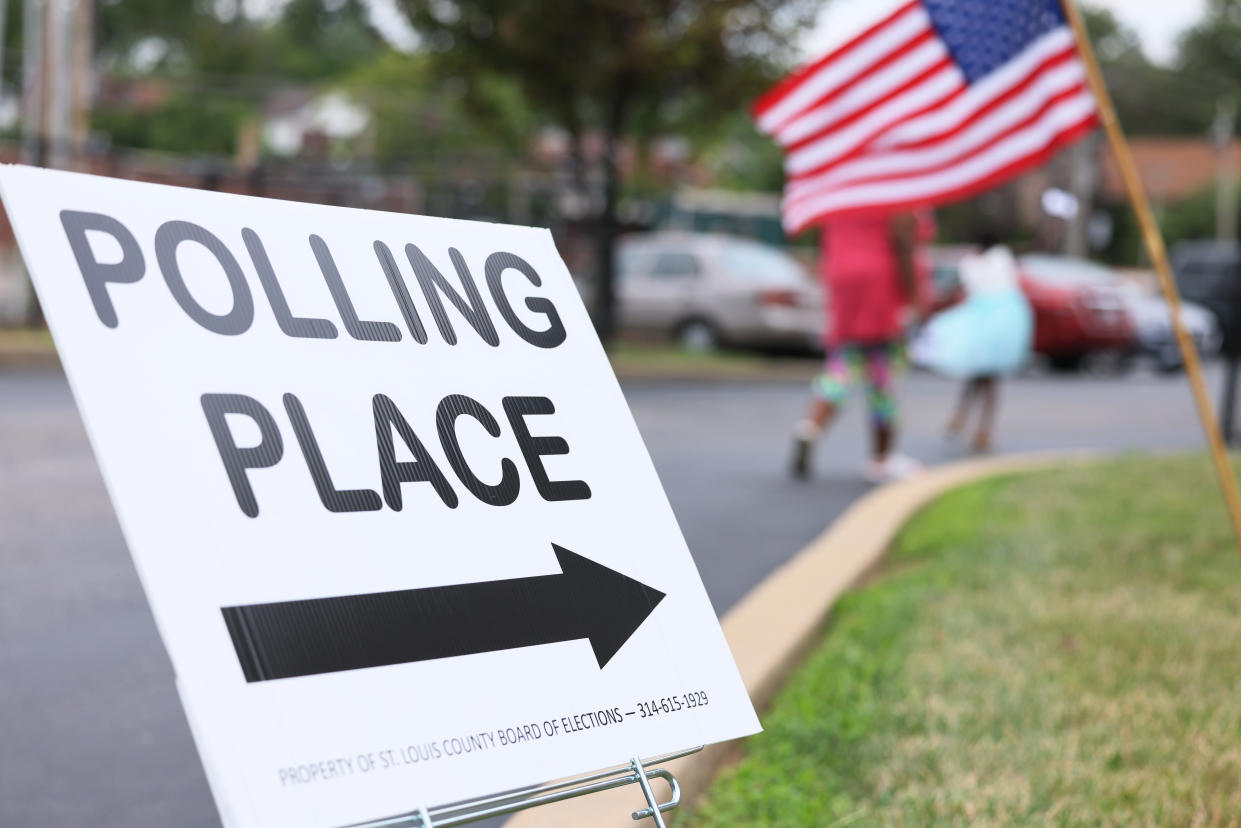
692 68
485 72
620 85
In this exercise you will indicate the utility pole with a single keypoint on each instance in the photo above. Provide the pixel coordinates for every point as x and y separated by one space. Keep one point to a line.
59 27
1226 180
56 84
1083 158
83 51
1222 130
56 80
4 19
33 81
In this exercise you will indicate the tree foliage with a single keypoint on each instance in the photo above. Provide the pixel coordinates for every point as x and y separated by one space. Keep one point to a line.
623 69
600 63
1209 53
216 65
419 115
1150 99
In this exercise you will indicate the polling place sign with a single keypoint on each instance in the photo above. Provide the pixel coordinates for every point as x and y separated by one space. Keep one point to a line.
400 534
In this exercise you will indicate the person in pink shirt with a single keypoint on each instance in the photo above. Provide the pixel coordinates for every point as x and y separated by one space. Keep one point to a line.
874 277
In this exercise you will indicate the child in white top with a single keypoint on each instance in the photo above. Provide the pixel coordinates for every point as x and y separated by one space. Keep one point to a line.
984 338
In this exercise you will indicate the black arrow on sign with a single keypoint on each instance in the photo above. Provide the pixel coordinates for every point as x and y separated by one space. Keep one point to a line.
349 632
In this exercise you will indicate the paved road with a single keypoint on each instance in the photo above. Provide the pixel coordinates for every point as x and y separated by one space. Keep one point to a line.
91 732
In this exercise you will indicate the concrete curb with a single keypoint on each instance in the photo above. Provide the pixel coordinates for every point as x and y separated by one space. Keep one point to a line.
774 626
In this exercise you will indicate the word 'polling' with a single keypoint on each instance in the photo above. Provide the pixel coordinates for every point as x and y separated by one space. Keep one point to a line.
102 277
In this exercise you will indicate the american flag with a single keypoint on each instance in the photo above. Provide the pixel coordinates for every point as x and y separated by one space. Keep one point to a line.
939 100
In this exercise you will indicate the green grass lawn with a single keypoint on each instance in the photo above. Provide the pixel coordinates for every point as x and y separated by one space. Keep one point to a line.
25 339
1062 648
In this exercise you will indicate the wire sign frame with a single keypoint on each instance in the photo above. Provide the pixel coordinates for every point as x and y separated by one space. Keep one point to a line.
519 799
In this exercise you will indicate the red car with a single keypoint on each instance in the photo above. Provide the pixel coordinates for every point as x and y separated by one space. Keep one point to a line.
1074 316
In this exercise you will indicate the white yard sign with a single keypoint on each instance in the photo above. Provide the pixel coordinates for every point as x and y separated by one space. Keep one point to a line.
399 531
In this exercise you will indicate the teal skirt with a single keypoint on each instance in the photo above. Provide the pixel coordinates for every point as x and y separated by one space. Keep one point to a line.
988 334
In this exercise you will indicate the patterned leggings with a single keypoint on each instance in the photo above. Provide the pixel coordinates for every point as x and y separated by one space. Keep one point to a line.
876 363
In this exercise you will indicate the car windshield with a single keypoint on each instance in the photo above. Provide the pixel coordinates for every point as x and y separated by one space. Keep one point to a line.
635 258
1067 271
759 264
655 260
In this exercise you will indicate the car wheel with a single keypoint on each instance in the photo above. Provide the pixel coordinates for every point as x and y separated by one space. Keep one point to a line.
1108 363
1065 363
698 336
1168 359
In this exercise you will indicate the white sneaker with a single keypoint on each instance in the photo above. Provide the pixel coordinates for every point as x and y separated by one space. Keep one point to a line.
892 467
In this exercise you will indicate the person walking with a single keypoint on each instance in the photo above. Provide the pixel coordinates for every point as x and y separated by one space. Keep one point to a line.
981 340
873 277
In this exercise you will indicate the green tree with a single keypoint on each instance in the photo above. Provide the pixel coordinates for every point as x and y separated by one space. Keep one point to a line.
419 115
216 65
315 40
621 68
1209 53
1150 99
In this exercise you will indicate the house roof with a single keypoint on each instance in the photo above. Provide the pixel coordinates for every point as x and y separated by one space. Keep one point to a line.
1172 168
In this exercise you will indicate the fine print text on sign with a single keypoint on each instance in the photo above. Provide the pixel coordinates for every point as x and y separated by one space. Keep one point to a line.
396 524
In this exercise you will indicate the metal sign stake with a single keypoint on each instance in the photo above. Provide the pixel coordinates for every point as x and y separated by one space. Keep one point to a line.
645 783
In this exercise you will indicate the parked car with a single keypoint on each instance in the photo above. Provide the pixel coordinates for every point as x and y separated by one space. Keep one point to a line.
1148 313
1077 312
1078 309
1153 321
1209 273
708 290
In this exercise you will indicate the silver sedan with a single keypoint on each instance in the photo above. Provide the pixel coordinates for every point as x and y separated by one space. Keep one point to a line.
706 290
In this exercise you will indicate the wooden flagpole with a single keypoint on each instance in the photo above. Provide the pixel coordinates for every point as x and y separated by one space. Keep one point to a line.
1153 240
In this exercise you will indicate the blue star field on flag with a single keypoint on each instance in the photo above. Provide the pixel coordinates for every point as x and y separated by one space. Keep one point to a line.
984 34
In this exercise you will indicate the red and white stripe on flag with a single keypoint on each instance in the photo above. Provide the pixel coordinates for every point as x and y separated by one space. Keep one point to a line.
940 100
